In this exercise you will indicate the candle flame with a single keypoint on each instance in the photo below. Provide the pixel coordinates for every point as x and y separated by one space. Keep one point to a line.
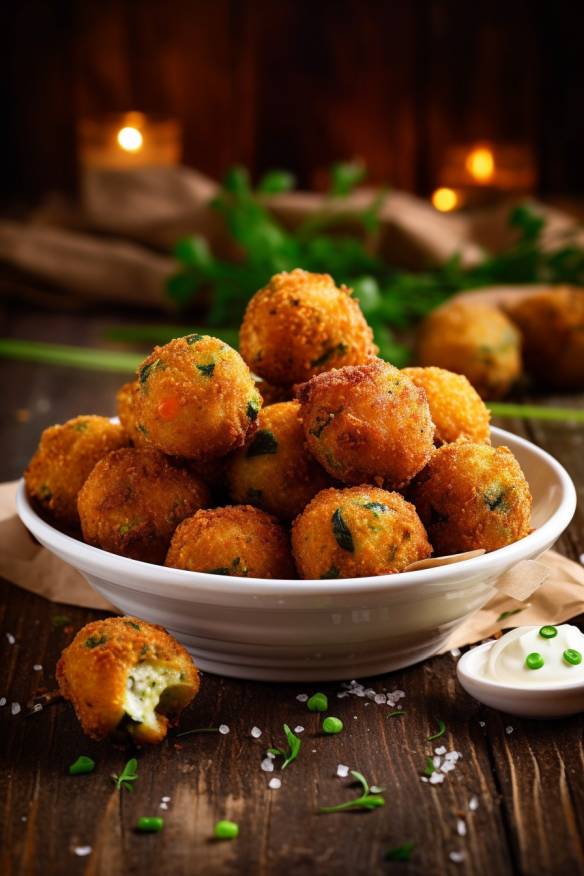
445 199
480 163
130 139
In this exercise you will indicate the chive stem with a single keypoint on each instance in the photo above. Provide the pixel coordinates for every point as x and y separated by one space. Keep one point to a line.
535 412
63 354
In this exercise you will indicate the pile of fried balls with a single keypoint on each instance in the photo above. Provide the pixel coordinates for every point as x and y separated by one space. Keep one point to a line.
304 455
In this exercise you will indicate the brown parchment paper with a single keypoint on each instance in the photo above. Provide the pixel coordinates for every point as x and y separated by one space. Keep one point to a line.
24 562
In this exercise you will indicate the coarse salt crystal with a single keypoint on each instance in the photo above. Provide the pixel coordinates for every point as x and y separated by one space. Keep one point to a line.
165 799
436 778
299 729
342 694
342 771
509 730
255 732
302 698
267 765
223 729
82 851
473 803
452 755
423 779
163 805
376 789
448 766
11 639
482 724
38 707
275 783
270 755
380 699
37 667
582 559
440 750
15 708
455 652
457 857
436 761
2 701
461 827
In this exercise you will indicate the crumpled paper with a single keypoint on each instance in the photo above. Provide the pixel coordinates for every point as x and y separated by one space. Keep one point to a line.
29 565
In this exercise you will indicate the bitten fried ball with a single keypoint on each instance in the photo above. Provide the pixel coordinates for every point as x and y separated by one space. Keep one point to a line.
126 677
367 423
63 461
126 407
301 324
456 407
236 540
552 328
357 531
275 471
476 340
133 501
472 496
197 398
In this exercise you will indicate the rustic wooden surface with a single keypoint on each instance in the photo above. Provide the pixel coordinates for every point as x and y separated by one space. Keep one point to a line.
528 780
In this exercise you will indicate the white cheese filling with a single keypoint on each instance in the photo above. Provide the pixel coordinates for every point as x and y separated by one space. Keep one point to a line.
146 684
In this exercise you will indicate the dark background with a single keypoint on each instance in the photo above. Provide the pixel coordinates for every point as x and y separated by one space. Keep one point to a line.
296 83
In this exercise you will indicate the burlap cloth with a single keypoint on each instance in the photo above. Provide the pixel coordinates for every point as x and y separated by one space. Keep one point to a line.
114 244
561 596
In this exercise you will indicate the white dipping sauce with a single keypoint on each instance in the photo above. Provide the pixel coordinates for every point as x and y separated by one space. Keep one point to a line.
510 657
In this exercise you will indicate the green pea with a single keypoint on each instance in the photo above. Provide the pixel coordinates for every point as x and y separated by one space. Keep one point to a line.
318 702
332 725
82 766
534 660
572 656
153 824
226 830
548 632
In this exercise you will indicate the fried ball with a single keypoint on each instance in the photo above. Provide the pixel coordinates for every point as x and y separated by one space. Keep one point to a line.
276 472
126 407
63 461
236 540
357 531
301 324
197 398
476 340
133 501
127 677
552 328
455 406
472 496
367 423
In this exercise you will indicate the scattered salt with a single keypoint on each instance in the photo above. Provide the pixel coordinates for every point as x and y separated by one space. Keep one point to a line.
482 724
15 708
461 827
342 771
299 729
455 652
23 818
447 766
82 851
452 755
436 761
457 857
436 779
2 701
166 799
256 732
509 730
302 698
314 750
275 783
473 803
11 639
37 667
582 559
223 729
440 750
380 699
376 789
270 755
163 805
267 764
38 707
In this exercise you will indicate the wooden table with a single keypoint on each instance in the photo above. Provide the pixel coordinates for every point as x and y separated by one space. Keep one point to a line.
525 776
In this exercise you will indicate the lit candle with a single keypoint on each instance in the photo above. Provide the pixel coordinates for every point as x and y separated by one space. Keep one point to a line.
482 172
128 140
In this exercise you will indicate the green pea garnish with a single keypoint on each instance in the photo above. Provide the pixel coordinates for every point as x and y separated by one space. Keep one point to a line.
572 656
332 725
534 661
82 766
150 824
548 632
226 830
318 702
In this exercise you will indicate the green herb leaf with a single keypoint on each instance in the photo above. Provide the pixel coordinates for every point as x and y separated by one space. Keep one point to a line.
128 775
345 176
364 801
198 730
82 766
276 181
134 626
262 444
338 350
95 641
429 768
331 572
341 532
291 753
60 620
193 338
377 508
440 732
147 370
207 370
253 409
505 614
400 853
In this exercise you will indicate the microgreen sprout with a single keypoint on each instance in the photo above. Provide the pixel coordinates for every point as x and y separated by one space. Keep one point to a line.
440 732
364 801
400 853
128 775
82 766
198 730
291 753
398 712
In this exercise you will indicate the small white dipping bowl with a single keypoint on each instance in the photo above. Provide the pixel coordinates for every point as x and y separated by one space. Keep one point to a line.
317 630
537 700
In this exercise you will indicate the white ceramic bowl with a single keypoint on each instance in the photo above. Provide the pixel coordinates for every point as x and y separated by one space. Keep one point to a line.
317 630
536 701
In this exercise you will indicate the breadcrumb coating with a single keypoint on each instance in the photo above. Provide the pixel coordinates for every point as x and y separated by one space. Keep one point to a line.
456 407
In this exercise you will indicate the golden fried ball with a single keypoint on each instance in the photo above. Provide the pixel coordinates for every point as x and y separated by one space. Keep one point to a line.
63 461
197 398
356 532
552 328
125 676
472 496
301 324
455 406
236 540
275 471
126 407
133 501
367 423
476 340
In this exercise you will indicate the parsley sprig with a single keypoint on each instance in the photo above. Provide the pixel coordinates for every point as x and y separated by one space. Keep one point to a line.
128 775
440 732
291 753
364 801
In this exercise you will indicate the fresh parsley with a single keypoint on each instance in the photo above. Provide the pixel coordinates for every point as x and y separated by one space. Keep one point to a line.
364 801
263 444
128 775
291 752
341 532
440 732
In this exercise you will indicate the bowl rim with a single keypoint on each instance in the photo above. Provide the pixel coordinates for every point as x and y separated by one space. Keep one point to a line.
149 576
502 686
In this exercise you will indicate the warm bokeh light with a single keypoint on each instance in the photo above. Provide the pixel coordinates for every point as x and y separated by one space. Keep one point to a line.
481 164
130 139
445 199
